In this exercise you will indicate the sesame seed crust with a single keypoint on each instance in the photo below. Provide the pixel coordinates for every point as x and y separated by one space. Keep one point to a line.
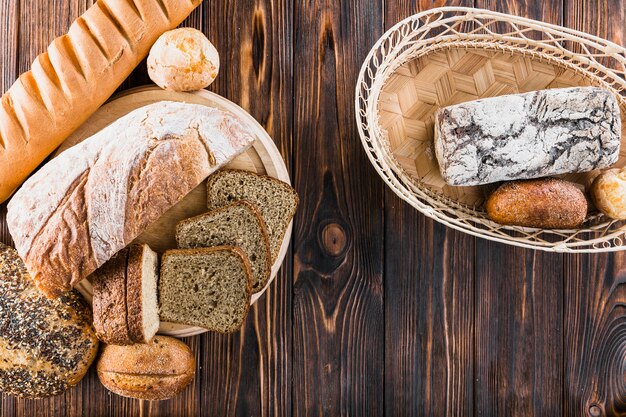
46 345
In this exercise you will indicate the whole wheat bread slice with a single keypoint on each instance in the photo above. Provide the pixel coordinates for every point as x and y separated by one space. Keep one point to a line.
141 293
237 224
109 301
206 287
277 201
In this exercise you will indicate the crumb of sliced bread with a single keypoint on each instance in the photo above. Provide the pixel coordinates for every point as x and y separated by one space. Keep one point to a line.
141 293
277 201
206 287
237 224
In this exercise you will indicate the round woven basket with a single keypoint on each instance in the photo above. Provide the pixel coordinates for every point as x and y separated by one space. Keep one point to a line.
450 55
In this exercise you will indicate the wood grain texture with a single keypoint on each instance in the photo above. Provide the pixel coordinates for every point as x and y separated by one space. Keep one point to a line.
429 300
595 285
338 296
519 308
378 310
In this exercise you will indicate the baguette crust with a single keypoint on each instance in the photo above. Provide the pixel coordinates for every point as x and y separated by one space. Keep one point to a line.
93 199
75 76
110 317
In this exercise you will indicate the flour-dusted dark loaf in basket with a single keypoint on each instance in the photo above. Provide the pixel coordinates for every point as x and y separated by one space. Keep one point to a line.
92 200
529 135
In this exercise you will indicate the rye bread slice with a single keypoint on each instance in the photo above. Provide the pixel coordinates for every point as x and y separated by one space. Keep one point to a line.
238 224
141 293
109 301
277 201
206 287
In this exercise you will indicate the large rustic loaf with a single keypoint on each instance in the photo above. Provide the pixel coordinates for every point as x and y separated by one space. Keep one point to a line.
92 200
530 135
77 73
46 346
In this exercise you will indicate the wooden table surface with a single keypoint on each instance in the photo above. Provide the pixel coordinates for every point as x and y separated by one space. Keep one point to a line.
377 310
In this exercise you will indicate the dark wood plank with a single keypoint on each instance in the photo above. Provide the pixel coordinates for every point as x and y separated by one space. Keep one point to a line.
519 305
429 299
338 292
595 285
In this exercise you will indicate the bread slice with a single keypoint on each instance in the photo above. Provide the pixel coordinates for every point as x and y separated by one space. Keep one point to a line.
207 287
237 224
276 200
109 301
141 293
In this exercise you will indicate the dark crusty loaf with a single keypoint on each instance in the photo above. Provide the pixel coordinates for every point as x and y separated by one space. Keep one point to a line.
75 76
276 200
92 200
154 371
547 203
46 346
142 308
109 301
207 287
238 224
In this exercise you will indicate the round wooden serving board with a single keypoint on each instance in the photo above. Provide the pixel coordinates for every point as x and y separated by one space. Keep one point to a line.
262 158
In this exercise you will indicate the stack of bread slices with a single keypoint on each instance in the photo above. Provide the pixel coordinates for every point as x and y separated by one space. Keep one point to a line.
223 257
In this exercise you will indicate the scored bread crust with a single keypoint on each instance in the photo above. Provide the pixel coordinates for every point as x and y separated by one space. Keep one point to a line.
76 75
213 178
203 251
257 215
109 301
93 199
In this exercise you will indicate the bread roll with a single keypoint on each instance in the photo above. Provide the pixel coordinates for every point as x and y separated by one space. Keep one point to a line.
608 192
154 371
183 60
92 200
75 76
546 203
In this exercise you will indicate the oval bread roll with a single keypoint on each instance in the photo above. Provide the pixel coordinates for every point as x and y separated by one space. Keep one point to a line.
608 192
75 76
546 203
154 371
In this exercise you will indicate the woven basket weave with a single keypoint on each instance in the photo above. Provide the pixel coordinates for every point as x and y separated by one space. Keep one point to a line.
449 55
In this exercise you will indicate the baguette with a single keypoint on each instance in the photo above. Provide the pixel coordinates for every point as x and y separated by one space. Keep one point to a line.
75 76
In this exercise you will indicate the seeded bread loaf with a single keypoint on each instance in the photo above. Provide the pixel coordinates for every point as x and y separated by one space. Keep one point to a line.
92 200
109 301
276 200
238 224
142 275
208 287
75 76
46 346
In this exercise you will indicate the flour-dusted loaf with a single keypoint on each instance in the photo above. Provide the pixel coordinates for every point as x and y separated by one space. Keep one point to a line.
530 135
75 76
92 200
46 346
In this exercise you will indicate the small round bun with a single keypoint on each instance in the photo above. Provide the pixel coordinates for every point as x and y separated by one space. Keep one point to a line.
608 192
183 60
